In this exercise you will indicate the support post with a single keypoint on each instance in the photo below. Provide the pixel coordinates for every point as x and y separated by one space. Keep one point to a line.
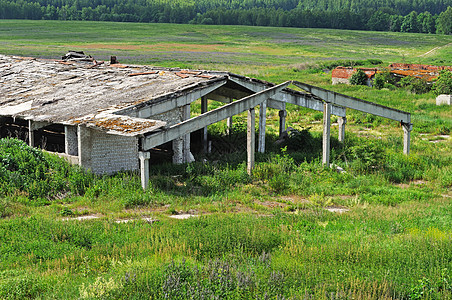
406 137
250 139
31 136
178 151
204 108
342 121
326 133
262 126
282 120
229 121
70 140
144 168
85 146
188 157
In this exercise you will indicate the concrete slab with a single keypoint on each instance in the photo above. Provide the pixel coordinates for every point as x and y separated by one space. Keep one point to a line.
183 216
338 210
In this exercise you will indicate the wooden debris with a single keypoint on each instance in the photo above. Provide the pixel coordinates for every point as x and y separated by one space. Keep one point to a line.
118 66
143 73
181 75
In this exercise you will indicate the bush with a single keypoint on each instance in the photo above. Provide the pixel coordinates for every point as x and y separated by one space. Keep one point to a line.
358 78
36 173
443 84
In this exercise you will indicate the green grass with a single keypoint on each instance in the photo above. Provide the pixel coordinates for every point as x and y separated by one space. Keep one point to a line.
264 236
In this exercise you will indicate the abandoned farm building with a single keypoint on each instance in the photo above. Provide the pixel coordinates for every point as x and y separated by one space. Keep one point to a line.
107 117
428 73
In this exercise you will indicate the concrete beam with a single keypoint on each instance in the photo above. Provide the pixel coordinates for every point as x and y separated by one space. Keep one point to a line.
326 134
144 169
152 140
250 140
355 103
169 102
290 96
262 126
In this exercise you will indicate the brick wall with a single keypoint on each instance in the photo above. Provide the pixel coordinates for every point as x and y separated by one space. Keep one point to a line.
111 153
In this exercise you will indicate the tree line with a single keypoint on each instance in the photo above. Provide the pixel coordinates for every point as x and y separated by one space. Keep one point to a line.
424 16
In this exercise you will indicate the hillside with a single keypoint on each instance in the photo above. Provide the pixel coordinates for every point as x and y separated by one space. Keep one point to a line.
428 16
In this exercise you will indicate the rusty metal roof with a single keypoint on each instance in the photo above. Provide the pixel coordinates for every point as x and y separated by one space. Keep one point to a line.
86 93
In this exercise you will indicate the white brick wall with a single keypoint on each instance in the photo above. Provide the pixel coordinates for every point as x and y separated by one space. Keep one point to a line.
111 153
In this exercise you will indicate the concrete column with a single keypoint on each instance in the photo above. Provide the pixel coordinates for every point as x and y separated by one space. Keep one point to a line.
282 120
31 136
178 151
229 121
250 139
71 140
85 146
342 121
406 137
262 126
144 168
326 133
188 157
205 142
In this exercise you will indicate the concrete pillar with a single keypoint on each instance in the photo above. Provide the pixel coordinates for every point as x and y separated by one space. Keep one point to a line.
406 137
262 126
31 136
85 146
326 133
178 151
188 157
342 121
282 120
229 121
144 168
71 140
205 142
250 139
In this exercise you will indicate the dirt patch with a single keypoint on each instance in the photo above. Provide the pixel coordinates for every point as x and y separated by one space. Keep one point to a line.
295 199
272 204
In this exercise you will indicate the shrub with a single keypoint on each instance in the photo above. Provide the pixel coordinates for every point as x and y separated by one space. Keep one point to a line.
358 78
38 174
443 84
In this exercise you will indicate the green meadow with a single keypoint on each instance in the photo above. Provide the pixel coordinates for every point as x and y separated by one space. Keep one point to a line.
294 229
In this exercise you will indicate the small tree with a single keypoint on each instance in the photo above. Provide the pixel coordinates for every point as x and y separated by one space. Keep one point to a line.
358 78
443 84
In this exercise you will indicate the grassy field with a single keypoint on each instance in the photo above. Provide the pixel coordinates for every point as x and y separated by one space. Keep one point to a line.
266 236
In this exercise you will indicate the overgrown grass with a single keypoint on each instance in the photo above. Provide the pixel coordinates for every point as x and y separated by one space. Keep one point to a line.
264 236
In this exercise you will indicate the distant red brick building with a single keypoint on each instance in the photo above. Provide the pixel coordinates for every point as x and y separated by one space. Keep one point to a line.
426 72
343 74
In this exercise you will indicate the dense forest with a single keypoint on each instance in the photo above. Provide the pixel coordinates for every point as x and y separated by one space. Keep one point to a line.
424 16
